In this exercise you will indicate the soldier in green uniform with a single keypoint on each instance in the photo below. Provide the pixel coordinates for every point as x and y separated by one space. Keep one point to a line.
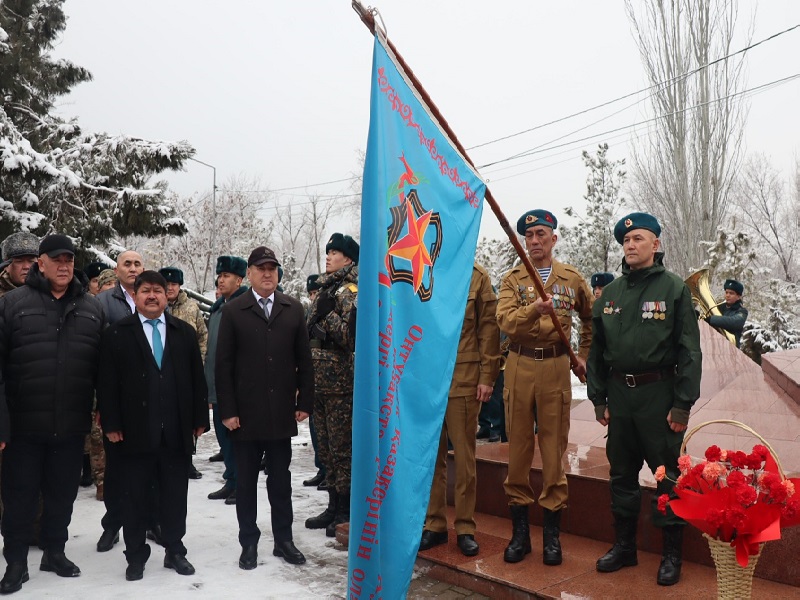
643 378
734 314
332 343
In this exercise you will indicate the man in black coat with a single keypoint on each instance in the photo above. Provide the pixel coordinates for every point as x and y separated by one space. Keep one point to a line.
152 394
49 339
265 386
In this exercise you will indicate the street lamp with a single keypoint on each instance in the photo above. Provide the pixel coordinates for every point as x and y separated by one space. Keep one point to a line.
213 240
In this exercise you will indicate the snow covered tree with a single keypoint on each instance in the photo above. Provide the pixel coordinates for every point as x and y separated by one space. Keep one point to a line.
590 245
497 257
93 187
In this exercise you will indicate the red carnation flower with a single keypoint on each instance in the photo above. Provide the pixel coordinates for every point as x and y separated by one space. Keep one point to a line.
791 509
663 499
738 459
736 478
735 516
713 453
754 461
746 495
761 450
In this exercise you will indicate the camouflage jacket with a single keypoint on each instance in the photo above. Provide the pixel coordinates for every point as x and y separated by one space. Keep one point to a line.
6 285
333 355
186 309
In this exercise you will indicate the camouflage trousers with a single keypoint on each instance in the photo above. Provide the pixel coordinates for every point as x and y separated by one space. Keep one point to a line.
97 455
333 420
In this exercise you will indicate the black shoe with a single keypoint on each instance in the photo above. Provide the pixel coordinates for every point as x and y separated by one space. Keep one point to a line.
58 563
216 457
430 539
323 487
155 534
222 493
315 480
482 434
16 575
107 540
179 563
248 560
231 500
494 436
467 544
289 553
134 572
193 472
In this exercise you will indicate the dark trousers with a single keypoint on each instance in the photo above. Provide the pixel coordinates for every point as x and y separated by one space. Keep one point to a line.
314 443
33 465
168 470
226 447
493 413
278 454
112 487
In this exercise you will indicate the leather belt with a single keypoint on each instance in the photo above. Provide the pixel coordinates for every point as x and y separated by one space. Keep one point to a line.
538 353
633 380
323 345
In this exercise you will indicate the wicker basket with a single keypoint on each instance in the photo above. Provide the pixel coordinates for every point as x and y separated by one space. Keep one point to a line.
733 580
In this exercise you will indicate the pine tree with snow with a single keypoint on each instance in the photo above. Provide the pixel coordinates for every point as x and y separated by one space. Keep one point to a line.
53 177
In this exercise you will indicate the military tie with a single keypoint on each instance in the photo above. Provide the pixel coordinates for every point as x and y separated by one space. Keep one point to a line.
158 347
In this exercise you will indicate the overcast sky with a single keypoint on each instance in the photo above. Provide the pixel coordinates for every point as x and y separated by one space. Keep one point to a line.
280 90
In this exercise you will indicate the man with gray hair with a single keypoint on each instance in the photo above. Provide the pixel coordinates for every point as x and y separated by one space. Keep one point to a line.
19 253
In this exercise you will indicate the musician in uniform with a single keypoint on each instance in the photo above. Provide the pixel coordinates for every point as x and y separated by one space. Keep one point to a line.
734 314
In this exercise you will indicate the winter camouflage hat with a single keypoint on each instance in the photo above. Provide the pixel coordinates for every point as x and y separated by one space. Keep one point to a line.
106 276
20 244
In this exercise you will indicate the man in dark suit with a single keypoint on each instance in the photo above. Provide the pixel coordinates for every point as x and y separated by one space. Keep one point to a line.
265 385
152 394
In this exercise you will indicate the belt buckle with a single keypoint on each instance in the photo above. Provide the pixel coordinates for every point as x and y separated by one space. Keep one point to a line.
630 380
538 354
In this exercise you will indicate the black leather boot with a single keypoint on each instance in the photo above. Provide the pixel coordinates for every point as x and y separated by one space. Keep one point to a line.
551 545
16 574
623 553
669 572
322 520
520 543
342 514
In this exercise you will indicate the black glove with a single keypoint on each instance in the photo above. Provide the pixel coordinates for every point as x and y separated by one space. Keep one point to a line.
325 304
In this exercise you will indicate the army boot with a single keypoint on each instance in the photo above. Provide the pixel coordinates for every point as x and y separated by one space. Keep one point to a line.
342 514
669 572
550 543
623 553
520 543
322 520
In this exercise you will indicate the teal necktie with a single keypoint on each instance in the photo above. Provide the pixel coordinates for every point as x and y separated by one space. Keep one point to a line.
158 347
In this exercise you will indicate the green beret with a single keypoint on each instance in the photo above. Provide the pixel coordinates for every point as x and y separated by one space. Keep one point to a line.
172 275
344 244
93 269
311 283
602 279
734 286
637 220
535 217
232 264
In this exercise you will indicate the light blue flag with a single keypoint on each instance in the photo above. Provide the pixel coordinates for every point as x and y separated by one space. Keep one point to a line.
421 210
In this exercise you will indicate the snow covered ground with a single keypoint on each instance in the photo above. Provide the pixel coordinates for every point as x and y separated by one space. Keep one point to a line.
212 544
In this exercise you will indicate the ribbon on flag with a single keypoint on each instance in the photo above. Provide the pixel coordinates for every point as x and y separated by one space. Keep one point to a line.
421 210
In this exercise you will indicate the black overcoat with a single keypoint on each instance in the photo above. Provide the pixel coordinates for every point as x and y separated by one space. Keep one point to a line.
264 371
123 386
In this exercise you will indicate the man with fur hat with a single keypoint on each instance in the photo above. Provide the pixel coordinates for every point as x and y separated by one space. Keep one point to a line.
599 281
332 345
19 253
184 308
734 314
643 378
537 380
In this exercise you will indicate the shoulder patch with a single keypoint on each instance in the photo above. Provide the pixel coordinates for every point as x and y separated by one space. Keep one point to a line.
352 287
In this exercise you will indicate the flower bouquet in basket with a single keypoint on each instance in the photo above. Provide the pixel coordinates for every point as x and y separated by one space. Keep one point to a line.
738 500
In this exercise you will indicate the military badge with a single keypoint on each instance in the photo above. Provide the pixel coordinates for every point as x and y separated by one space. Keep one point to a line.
628 223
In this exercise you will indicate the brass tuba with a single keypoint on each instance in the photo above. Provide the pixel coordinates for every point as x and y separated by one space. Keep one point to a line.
704 299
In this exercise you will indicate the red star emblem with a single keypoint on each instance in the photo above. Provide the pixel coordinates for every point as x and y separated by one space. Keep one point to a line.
412 245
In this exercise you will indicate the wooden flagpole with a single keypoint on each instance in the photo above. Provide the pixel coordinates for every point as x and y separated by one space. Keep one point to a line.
368 18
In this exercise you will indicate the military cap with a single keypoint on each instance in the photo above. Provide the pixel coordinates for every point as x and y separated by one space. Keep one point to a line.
172 275
93 269
20 244
232 264
637 220
535 217
262 255
55 245
602 279
106 276
344 244
311 283
734 286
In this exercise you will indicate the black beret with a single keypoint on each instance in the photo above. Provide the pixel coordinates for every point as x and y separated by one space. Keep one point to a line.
344 244
602 279
232 264
734 286
637 220
93 269
172 275
311 283
535 217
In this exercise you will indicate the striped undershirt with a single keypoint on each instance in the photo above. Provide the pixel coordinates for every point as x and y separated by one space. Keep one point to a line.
544 273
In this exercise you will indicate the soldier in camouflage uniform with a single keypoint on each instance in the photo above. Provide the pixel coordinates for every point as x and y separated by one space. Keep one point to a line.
332 333
19 253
